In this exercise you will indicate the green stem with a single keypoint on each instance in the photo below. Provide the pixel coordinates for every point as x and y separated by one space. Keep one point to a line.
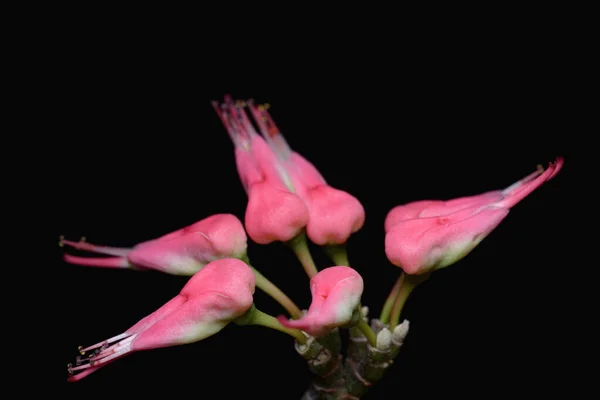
300 247
389 302
269 288
408 285
277 294
337 253
256 317
367 331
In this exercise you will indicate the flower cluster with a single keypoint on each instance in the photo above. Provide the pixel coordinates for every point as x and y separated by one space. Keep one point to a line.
289 201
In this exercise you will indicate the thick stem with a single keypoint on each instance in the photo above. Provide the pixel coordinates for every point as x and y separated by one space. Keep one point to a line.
332 341
365 365
328 380
256 317
389 302
408 285
337 253
269 288
300 247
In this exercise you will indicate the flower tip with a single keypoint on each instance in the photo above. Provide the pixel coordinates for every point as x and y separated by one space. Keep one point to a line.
540 168
557 165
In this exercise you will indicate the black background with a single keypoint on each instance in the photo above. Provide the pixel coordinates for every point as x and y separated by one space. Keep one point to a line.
144 154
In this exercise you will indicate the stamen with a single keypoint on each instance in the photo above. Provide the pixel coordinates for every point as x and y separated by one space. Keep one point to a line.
103 353
107 341
270 131
530 184
533 175
109 358
86 366
232 129
115 348
94 248
244 121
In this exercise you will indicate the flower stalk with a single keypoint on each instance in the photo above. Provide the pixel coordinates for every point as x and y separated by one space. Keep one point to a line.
337 253
299 246
410 282
274 292
256 317
391 299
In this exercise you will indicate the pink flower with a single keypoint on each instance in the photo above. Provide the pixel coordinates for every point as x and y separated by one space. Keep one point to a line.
274 212
336 293
219 293
427 235
333 214
183 252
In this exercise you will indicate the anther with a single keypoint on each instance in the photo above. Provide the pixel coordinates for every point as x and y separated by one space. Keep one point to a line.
60 240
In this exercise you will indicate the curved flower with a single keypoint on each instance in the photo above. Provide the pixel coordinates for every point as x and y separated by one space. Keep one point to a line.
274 212
333 214
427 235
216 295
183 252
336 293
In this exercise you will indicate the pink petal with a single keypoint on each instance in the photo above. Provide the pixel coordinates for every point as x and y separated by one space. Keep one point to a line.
333 215
274 214
336 293
423 244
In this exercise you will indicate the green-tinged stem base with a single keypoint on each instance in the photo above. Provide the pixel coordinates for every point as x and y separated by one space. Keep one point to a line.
366 330
256 317
299 246
389 302
337 253
409 283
